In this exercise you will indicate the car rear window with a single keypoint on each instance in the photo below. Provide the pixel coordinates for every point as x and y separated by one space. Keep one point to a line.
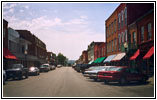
115 69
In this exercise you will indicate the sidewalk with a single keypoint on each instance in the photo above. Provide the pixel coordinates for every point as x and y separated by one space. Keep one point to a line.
151 80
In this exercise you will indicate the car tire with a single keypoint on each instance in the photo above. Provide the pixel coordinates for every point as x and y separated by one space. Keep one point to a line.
106 82
143 80
95 79
26 76
20 77
122 81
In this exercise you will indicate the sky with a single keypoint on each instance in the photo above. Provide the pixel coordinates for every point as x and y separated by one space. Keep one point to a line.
64 27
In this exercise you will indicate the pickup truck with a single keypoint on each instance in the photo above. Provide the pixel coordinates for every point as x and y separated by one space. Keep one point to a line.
17 71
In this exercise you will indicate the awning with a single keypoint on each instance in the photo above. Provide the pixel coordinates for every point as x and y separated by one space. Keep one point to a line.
7 54
101 59
90 62
149 53
136 54
119 57
109 58
95 61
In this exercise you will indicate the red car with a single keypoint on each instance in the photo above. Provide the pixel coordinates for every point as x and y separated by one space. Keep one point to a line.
122 75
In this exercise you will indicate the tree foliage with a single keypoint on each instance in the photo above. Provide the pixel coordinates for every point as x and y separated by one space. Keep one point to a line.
61 59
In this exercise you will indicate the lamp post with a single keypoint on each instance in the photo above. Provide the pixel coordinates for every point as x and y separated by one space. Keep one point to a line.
25 58
125 47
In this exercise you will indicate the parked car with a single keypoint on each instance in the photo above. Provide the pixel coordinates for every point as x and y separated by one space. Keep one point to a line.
34 71
122 74
83 67
17 71
52 67
58 66
44 68
4 76
92 74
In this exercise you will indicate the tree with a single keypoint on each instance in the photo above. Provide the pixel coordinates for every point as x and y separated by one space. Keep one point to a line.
61 59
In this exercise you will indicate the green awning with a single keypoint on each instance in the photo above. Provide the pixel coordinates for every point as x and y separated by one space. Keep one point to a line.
101 60
95 61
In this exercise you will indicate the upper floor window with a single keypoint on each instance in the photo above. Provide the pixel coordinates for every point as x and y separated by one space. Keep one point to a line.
115 43
112 45
115 25
122 15
112 27
126 35
119 40
119 17
149 31
122 37
4 32
106 31
142 33
125 15
134 37
109 30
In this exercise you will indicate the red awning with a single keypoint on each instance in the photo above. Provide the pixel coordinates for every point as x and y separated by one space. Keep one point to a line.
136 54
7 54
149 53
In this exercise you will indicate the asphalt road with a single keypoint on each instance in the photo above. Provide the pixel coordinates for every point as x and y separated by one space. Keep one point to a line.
66 82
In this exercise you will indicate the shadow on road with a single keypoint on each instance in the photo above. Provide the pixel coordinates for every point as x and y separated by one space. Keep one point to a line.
127 84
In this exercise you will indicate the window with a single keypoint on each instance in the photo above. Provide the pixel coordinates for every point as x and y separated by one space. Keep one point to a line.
134 37
119 41
122 15
122 37
106 31
119 21
115 25
142 33
149 31
115 44
109 30
125 15
112 45
112 27
4 32
126 35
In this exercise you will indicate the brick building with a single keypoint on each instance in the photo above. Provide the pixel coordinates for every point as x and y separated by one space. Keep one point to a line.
37 50
85 57
51 58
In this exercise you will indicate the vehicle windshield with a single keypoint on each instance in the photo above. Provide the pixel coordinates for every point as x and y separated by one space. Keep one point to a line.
16 66
115 69
44 66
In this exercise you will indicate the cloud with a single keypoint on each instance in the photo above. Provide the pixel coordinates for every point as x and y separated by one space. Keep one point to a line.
11 10
21 11
9 5
68 37
27 7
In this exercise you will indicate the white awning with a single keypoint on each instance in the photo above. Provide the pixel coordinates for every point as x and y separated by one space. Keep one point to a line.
109 58
119 57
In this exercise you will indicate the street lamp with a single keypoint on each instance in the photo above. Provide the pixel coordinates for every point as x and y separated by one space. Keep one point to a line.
25 58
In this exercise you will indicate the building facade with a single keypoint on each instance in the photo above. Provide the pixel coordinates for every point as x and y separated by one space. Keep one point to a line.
85 57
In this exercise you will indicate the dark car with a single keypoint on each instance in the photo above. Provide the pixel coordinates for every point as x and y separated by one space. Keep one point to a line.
44 68
122 75
34 71
83 67
17 71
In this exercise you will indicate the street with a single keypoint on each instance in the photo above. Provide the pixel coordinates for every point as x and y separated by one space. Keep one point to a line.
66 82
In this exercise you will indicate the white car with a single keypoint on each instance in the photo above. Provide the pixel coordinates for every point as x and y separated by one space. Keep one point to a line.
93 73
